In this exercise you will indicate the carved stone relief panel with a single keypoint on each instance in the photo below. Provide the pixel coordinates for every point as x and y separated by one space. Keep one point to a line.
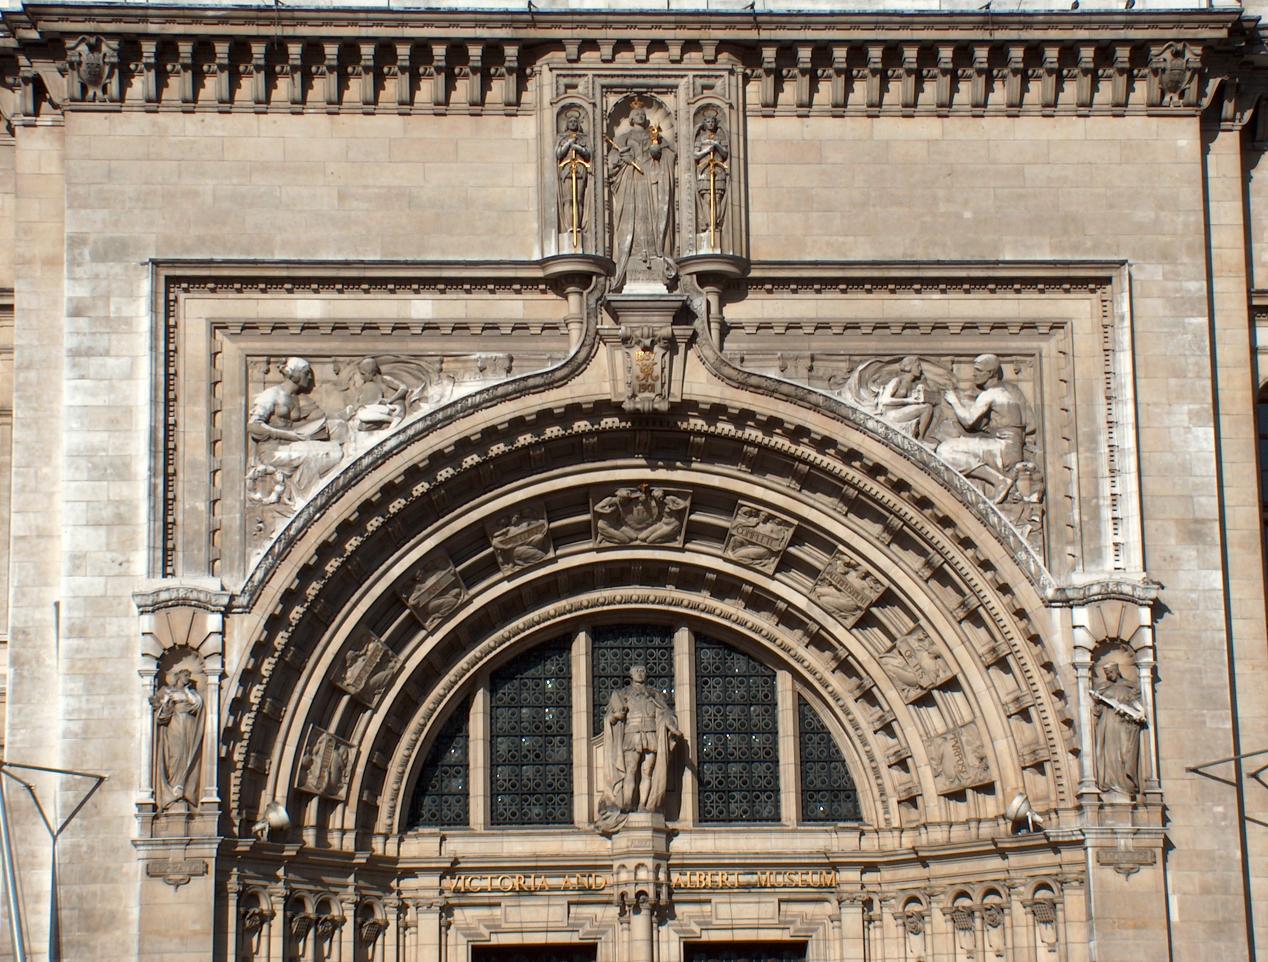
1019 383
958 759
520 538
640 514
435 589
368 668
846 588
325 765
915 665
757 537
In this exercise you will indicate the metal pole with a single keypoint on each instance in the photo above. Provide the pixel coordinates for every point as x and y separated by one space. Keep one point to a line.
11 882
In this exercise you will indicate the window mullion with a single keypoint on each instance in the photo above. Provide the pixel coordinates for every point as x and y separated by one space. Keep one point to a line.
583 768
685 707
478 753
788 770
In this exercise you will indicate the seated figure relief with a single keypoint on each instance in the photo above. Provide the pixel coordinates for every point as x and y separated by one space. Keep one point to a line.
641 515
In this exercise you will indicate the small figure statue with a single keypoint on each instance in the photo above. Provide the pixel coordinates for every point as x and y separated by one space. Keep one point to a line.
996 423
640 731
1118 715
572 156
641 171
711 155
380 400
294 442
903 401
178 720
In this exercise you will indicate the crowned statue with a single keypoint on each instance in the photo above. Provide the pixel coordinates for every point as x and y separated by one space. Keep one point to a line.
641 171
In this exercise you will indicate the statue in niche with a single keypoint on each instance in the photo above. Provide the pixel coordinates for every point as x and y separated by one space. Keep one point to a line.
572 158
520 538
640 731
1118 716
958 759
996 423
325 765
711 152
641 515
846 589
436 591
641 171
178 721
295 444
757 538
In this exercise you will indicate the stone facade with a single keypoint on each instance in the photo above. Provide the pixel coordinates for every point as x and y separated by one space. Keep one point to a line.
635 484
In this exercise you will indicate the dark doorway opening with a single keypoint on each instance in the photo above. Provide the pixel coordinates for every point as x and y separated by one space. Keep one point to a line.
535 953
746 952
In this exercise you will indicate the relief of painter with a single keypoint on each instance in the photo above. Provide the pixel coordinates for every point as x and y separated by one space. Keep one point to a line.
975 413
308 417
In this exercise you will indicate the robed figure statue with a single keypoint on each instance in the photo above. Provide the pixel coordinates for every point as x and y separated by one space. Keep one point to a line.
641 171
178 720
1119 718
640 731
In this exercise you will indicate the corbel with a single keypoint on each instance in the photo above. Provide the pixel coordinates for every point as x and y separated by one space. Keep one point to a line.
475 78
1015 82
709 50
1051 76
981 76
150 68
439 76
185 59
330 69
805 78
1085 84
875 75
223 74
1122 77
641 48
945 84
367 51
840 76
607 50
404 77
260 75
675 50
295 75
911 76
28 99
511 76
572 51
770 54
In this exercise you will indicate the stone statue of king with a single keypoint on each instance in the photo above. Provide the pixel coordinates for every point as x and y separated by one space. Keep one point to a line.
640 731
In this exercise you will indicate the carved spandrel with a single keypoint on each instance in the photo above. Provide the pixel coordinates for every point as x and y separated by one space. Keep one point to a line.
846 589
368 669
757 538
434 591
958 759
915 665
520 538
325 765
645 514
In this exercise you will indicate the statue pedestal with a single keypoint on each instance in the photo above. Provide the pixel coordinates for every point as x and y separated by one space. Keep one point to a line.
640 877
646 351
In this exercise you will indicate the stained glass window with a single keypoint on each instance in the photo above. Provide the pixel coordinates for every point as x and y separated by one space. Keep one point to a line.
614 649
440 798
738 736
827 790
531 773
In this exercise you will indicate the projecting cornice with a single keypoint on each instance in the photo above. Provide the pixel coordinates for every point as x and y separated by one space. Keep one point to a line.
279 59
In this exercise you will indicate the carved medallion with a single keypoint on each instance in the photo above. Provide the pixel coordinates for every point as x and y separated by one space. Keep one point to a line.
367 669
435 590
326 764
520 538
757 538
958 759
915 665
640 515
846 589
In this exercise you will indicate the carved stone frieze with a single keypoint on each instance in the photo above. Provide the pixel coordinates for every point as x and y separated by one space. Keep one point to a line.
434 591
640 514
957 759
368 668
520 538
915 665
846 588
757 537
325 765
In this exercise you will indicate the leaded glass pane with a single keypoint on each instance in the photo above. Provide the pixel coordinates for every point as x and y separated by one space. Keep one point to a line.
614 649
532 738
827 790
738 736
441 796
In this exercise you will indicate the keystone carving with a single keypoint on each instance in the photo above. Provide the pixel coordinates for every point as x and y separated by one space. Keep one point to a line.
757 538
648 352
640 515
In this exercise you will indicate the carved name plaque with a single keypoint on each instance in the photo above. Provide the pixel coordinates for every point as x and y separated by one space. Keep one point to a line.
1126 862
846 589
532 882
958 759
757 538
326 764
435 590
520 538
